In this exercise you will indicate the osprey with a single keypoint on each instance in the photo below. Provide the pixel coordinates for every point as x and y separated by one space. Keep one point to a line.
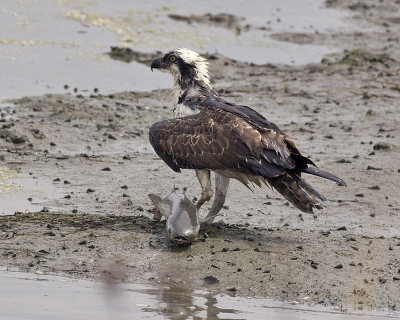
209 133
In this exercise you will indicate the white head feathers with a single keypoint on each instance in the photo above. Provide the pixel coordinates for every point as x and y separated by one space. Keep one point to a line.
200 63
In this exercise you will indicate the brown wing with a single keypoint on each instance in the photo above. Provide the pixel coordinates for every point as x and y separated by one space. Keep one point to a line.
218 140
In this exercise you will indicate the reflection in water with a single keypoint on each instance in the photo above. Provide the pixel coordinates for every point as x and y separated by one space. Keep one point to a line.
182 303
23 297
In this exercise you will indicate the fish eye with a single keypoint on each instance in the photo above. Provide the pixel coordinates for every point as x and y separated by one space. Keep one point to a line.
172 58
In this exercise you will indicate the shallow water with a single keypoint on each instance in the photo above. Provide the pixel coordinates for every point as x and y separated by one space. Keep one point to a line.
48 44
24 192
28 297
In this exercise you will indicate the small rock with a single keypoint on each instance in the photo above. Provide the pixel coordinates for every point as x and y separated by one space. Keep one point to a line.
382 146
267 271
82 242
124 187
106 169
49 233
56 179
373 168
341 229
376 187
89 190
210 280
226 250
45 209
339 266
231 289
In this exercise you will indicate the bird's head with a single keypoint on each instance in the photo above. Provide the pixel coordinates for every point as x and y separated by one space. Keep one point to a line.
185 65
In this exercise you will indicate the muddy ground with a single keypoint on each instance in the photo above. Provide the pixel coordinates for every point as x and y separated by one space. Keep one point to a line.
97 222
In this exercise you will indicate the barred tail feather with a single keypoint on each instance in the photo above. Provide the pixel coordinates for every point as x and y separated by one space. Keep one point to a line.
298 192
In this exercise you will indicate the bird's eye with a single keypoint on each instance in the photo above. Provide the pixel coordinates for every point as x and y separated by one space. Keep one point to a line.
172 58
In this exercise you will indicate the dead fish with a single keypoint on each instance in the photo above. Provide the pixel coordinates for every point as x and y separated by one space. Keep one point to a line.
181 214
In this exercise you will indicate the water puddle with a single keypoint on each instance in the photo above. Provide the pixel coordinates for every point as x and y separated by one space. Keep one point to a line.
26 296
22 193
49 45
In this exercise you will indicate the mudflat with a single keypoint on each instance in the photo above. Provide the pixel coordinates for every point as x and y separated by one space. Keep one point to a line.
92 156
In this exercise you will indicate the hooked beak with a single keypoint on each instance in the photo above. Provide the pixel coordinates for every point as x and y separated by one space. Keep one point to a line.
156 64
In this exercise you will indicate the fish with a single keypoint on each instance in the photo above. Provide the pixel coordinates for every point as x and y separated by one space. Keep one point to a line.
182 216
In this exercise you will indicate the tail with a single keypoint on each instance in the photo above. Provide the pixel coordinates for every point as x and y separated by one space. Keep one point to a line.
297 192
320 173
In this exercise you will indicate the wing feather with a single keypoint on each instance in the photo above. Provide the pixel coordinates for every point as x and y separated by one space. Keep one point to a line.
218 140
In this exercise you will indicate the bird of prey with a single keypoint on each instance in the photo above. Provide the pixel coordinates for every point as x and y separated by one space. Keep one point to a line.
209 133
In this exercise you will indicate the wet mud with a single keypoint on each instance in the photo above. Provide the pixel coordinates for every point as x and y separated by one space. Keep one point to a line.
93 150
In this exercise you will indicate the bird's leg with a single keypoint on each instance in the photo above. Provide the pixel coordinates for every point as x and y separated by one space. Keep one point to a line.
221 188
205 182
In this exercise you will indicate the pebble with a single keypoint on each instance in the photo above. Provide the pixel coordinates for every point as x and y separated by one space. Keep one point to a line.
341 229
266 271
89 190
373 168
210 280
106 169
82 242
381 146
231 289
339 266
